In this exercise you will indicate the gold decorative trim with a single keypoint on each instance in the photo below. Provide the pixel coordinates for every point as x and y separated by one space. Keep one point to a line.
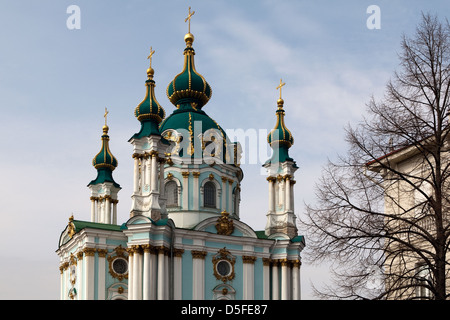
266 261
224 255
178 252
185 174
198 254
118 253
248 259
71 228
224 225
89 252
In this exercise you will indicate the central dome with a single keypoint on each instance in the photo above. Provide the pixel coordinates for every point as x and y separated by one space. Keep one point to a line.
189 85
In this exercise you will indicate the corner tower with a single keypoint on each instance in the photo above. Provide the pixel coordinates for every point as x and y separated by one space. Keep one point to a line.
149 155
281 220
104 189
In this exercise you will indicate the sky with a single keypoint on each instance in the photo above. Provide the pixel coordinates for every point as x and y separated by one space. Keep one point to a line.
55 82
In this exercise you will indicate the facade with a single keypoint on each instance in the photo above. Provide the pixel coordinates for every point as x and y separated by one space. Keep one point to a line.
408 177
184 238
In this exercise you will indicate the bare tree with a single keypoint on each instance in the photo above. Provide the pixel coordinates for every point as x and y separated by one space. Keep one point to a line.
381 216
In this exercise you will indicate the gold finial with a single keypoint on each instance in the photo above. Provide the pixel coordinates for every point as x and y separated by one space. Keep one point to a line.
280 86
189 19
150 56
106 115
150 70
105 127
280 100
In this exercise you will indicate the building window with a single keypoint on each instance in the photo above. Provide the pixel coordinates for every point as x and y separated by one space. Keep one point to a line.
171 191
209 193
423 282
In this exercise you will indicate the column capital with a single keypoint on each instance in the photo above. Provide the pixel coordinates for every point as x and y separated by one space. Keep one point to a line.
178 252
102 252
248 259
198 254
89 252
185 174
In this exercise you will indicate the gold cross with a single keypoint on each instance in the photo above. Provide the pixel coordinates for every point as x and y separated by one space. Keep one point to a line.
150 56
280 86
189 18
106 114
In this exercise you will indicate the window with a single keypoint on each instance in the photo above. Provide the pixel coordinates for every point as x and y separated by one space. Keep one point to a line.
171 191
209 195
423 281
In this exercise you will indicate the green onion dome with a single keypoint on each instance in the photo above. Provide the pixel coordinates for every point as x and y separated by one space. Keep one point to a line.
150 108
104 161
280 138
280 133
149 112
189 85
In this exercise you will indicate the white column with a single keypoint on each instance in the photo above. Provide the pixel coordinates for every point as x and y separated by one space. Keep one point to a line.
99 211
266 279
146 274
177 274
161 274
101 279
296 280
230 195
185 190
93 219
137 270
281 197
198 276
136 174
79 274
161 179
107 209
275 285
154 173
130 273
271 181
224 194
147 171
248 278
115 211
166 276
292 194
287 190
196 190
62 291
284 280
153 275
89 284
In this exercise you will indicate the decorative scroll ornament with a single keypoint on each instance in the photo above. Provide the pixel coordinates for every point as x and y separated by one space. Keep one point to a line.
71 228
224 224
118 264
223 263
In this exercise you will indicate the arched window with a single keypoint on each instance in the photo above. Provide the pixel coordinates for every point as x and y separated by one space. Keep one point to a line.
209 195
171 191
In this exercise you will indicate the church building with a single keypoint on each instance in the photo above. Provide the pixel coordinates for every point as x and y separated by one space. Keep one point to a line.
184 238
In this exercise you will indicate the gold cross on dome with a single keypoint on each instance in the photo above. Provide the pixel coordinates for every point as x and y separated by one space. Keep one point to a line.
280 86
150 55
106 114
189 19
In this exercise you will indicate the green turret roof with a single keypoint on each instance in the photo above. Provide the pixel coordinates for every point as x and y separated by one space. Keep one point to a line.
149 112
104 162
280 138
